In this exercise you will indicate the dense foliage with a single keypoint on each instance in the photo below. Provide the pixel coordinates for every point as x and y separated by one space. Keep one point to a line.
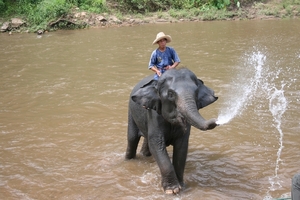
154 5
38 13
39 10
47 8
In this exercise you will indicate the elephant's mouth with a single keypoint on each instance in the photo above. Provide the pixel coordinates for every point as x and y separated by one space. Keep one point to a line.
181 121
178 120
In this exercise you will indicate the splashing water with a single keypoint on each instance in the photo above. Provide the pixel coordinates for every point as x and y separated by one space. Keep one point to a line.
244 89
277 106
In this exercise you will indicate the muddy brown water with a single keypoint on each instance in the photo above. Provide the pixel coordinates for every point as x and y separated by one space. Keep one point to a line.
63 111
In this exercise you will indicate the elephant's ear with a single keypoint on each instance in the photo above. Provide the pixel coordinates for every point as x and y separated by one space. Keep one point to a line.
147 97
205 95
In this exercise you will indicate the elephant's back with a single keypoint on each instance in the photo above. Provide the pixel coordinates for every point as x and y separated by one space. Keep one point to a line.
141 83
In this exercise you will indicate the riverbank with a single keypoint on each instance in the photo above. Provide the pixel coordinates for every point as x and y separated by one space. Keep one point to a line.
76 19
258 11
274 9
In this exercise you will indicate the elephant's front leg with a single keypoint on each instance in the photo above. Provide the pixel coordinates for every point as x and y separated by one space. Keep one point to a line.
157 146
158 149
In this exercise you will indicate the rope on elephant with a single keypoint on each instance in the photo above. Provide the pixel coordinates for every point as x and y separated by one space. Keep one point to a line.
287 198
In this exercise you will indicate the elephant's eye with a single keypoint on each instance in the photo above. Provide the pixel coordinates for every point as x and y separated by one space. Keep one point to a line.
171 95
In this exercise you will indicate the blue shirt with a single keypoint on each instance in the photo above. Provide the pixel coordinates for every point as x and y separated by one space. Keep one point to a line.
163 59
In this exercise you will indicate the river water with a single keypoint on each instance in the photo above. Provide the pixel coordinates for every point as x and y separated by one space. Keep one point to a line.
63 111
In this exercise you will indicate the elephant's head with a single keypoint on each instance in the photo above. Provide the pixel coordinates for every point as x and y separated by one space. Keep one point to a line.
177 96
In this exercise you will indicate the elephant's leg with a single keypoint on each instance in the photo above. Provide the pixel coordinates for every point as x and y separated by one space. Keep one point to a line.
158 149
133 138
180 150
145 148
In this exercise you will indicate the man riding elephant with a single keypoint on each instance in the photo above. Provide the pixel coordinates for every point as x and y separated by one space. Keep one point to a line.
163 112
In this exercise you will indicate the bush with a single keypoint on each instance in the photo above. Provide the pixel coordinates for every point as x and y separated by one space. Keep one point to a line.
2 6
47 10
154 5
220 4
96 6
144 5
38 13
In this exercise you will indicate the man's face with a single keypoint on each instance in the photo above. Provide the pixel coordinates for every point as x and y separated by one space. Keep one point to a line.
162 43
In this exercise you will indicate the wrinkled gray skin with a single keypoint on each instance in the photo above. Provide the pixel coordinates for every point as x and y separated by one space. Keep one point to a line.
163 112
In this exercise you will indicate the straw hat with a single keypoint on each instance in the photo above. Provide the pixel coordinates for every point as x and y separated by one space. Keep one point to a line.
160 36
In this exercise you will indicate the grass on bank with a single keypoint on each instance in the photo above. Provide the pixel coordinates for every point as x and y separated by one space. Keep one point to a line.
39 13
283 9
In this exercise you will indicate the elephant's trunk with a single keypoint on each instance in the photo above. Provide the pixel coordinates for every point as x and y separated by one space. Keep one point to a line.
193 117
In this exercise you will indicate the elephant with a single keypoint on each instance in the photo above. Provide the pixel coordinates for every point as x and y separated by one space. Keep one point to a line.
163 112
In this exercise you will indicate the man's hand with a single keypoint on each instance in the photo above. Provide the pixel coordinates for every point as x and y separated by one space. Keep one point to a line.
172 67
168 67
158 73
154 68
